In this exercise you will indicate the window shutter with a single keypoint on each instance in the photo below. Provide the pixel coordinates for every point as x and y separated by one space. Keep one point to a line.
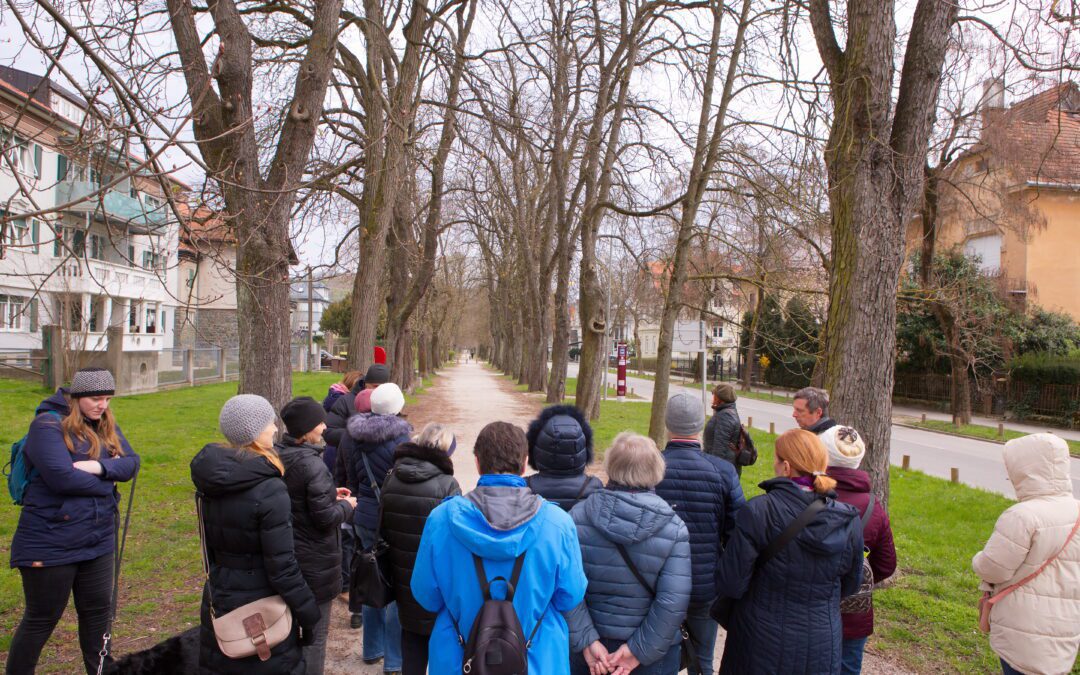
78 243
35 234
37 160
61 167
131 255
33 315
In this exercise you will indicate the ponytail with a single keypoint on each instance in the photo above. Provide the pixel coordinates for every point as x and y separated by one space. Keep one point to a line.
823 484
269 454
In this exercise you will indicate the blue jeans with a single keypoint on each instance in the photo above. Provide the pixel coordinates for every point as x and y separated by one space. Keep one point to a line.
1006 669
703 628
667 665
382 630
851 652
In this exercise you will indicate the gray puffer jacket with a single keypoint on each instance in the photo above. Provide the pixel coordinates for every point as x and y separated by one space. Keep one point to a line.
616 606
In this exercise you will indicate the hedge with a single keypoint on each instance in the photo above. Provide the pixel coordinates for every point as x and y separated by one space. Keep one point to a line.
794 372
1043 368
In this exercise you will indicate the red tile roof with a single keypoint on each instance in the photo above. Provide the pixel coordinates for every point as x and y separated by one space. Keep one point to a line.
1038 138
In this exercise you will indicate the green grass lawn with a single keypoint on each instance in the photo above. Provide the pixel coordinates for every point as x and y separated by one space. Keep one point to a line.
927 618
982 432
161 583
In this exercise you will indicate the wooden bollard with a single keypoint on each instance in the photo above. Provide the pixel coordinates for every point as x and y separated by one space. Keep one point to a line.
1001 431
906 462
749 422
924 418
954 474
772 427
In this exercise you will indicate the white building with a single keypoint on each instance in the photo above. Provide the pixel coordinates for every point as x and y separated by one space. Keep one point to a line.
105 257
298 298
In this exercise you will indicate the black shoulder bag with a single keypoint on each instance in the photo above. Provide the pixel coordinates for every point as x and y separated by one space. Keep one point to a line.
721 609
688 657
369 573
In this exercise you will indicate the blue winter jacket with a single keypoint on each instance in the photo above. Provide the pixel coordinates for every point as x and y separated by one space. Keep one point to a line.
787 615
498 521
704 490
616 606
376 437
68 515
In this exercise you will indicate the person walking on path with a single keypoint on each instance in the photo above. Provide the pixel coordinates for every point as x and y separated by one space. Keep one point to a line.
560 447
723 430
705 492
493 529
846 451
623 623
246 515
810 408
318 510
370 446
1034 552
66 537
422 477
786 612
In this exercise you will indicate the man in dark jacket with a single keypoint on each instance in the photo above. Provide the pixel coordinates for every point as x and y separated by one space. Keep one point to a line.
705 492
318 510
344 407
810 408
560 447
724 428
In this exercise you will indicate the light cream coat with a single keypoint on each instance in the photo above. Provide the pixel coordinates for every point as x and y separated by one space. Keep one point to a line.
1036 629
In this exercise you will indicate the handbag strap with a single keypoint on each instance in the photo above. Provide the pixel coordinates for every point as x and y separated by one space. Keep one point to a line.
868 512
371 476
790 532
1000 596
120 541
203 550
586 479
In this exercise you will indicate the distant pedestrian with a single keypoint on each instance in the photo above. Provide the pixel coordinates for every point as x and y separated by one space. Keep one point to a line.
422 477
1031 564
318 511
369 445
786 613
246 516
723 430
621 622
560 448
65 539
846 451
810 408
705 492
480 539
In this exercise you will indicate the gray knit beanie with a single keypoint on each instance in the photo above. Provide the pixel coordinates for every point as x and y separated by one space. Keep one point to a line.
92 382
244 417
685 415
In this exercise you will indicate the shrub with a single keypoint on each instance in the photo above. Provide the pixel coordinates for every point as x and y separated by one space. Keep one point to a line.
1043 368
793 372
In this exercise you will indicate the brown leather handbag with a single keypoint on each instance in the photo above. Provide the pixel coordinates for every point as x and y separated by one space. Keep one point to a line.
251 629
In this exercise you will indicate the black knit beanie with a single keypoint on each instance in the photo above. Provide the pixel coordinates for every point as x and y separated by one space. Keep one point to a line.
301 415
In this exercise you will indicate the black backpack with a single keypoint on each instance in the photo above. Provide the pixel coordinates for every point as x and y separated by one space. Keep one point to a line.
496 644
743 449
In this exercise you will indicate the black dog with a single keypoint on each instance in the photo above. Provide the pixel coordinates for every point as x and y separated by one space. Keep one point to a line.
179 655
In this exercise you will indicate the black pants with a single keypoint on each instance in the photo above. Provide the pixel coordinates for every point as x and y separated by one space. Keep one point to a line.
414 653
47 590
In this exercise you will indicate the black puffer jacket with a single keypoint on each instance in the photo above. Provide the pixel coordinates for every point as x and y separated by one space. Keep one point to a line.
249 541
317 517
721 431
560 447
421 479
338 415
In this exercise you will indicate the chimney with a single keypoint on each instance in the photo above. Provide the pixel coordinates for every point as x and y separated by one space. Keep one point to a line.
993 94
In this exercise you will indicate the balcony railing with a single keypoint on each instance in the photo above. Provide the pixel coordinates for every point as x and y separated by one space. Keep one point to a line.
116 205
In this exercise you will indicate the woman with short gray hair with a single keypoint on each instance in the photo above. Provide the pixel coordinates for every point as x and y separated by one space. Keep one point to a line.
622 622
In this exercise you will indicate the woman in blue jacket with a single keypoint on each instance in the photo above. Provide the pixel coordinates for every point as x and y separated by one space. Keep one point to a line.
637 626
65 539
786 615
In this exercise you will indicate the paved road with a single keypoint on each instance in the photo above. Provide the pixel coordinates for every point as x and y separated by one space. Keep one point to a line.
979 462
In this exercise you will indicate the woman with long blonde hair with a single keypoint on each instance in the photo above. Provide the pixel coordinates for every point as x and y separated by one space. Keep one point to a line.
245 510
786 590
65 539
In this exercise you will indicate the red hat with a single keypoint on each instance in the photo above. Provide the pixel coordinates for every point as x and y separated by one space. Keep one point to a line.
380 355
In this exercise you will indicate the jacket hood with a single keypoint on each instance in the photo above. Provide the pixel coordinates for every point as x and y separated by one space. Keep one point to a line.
376 429
827 533
627 517
497 522
560 441
292 452
1038 466
219 470
414 463
849 480
57 403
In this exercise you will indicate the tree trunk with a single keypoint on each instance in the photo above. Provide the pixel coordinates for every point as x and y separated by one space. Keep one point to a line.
751 345
593 331
560 343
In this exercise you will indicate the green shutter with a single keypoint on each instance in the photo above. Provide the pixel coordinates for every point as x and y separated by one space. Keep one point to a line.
37 160
58 235
33 315
35 234
61 167
78 243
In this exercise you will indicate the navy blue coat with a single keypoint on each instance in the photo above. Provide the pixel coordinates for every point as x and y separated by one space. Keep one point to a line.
560 447
376 437
68 515
705 492
787 615
616 606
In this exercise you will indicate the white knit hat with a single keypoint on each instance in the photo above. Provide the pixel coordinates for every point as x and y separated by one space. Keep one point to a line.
387 399
846 447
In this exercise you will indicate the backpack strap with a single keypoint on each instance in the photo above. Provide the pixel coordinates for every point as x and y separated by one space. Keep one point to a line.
584 484
791 531
511 584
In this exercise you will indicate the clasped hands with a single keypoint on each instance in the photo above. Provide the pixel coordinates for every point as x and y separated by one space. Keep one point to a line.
620 662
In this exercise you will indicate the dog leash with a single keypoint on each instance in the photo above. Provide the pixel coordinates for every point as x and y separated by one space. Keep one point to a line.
120 541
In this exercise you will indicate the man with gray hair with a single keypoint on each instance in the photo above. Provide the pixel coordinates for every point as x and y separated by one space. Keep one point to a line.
811 410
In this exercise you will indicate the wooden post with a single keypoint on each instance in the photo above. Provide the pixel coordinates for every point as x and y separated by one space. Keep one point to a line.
749 422
924 418
906 463
189 366
954 474
222 369
772 427
1001 430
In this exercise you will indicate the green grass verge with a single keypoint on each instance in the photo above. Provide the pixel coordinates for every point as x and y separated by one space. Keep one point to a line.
161 584
981 432
927 617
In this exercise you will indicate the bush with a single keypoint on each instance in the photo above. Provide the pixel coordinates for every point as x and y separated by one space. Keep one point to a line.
574 353
1043 368
794 372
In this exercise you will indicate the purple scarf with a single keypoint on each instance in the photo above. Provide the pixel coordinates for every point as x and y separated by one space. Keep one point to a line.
805 482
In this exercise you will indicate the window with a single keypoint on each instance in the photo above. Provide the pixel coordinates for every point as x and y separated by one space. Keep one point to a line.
15 232
191 278
151 320
718 330
11 312
133 318
147 260
72 237
987 250
131 255
97 247
18 154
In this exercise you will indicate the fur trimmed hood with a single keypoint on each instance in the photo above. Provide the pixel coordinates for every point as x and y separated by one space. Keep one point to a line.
560 441
375 429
